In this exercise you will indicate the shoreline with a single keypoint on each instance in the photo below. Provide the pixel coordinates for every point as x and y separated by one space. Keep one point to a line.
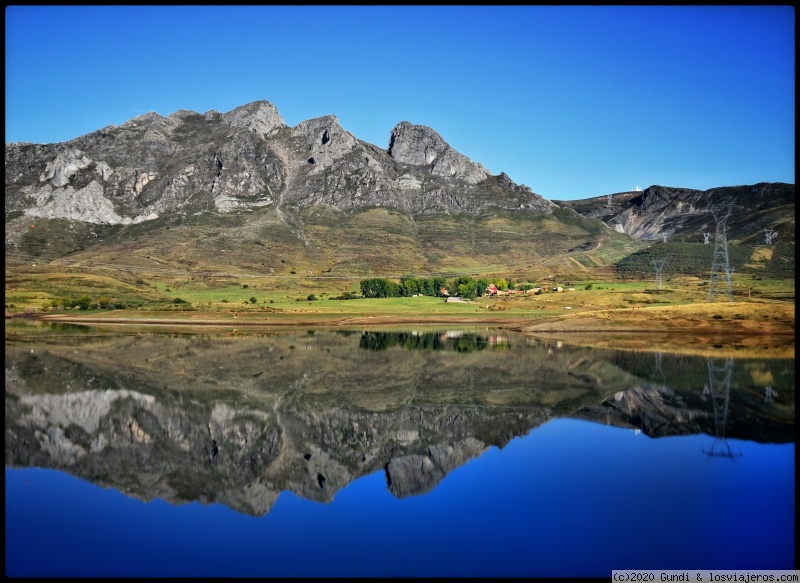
629 330
523 325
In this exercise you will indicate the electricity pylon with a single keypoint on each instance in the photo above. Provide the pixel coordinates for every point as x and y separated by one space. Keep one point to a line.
720 266
770 235
658 264
657 373
719 388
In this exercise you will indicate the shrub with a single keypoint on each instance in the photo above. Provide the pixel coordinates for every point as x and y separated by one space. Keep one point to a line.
253 300
348 295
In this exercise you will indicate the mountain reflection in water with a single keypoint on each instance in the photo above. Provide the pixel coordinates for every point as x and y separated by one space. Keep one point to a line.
239 420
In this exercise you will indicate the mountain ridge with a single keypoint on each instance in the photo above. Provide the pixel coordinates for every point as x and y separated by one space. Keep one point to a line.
670 213
315 196
240 160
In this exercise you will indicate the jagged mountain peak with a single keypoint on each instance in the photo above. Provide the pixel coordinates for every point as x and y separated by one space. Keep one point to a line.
246 159
327 141
150 116
261 117
319 125
420 145
182 113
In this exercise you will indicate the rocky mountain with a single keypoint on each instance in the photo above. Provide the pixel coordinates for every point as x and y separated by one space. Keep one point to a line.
243 192
243 160
683 214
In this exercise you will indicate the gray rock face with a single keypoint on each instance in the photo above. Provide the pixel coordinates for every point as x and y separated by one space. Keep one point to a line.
660 212
244 160
87 204
327 142
421 146
260 117
64 166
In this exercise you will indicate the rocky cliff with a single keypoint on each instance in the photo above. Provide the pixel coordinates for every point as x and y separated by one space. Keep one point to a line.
682 214
243 192
246 159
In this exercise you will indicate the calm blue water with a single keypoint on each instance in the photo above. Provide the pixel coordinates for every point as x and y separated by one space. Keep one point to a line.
443 454
573 498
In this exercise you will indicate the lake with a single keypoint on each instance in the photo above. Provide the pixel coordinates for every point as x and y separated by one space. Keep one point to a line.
421 452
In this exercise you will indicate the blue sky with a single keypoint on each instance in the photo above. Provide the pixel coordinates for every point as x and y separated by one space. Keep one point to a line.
573 101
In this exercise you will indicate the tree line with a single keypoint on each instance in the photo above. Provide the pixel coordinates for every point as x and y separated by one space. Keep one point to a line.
425 341
463 286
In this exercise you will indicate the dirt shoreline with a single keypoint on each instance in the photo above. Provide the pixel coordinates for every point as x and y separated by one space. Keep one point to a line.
672 331
525 325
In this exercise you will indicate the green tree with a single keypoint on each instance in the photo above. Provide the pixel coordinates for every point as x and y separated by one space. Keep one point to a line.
410 285
370 288
83 302
432 286
377 287
464 286
468 290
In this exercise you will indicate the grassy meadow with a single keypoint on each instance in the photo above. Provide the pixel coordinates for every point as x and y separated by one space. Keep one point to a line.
264 271
43 292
